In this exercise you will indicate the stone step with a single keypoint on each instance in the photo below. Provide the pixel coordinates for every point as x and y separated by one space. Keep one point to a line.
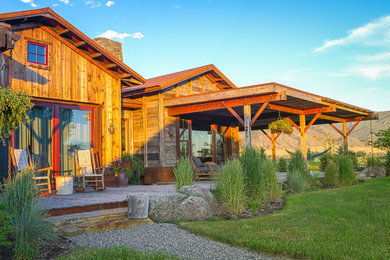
93 221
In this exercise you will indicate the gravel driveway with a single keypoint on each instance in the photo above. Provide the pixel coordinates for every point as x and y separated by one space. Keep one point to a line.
166 238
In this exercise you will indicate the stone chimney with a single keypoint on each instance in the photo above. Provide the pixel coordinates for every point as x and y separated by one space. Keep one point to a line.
114 47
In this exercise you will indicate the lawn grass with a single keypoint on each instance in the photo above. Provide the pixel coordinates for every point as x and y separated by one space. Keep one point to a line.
113 253
345 223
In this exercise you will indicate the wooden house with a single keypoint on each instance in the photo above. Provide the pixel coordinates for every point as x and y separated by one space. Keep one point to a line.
75 85
86 97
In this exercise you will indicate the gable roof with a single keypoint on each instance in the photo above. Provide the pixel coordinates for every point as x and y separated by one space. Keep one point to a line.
70 35
165 81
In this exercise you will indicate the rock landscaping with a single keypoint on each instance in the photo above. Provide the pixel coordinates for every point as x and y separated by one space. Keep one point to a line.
371 172
189 203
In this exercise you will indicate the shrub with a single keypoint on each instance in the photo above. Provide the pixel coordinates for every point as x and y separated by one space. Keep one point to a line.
251 162
184 172
295 182
272 188
254 206
298 175
282 165
215 219
346 170
137 168
387 163
230 188
31 231
325 159
331 177
371 161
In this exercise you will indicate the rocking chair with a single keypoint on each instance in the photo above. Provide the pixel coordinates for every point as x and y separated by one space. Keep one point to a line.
88 175
21 161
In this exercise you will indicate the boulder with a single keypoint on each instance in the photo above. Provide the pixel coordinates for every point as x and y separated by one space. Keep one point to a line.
190 203
374 171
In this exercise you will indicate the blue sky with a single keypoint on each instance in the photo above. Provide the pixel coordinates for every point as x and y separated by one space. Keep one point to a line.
338 49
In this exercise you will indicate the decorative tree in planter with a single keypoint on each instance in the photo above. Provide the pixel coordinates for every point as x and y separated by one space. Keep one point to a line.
14 108
281 126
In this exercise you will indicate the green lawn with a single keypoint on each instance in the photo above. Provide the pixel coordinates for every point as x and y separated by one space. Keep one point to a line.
113 253
345 223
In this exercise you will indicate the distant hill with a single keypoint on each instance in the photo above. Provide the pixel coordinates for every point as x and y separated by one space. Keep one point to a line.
321 136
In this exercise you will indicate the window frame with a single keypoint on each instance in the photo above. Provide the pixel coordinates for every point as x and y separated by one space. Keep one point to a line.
46 46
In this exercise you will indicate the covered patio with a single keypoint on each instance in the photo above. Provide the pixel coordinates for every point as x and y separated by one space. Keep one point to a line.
255 107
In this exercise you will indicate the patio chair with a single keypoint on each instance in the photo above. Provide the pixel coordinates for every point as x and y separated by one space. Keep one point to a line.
21 161
88 175
204 171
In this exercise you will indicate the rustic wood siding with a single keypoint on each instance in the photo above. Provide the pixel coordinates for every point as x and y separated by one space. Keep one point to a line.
70 77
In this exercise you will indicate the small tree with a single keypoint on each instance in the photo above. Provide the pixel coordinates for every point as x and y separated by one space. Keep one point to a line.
383 140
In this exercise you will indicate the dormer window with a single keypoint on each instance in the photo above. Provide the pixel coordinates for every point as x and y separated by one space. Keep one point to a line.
37 53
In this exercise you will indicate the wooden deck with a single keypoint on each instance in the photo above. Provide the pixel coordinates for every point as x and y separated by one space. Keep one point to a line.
112 197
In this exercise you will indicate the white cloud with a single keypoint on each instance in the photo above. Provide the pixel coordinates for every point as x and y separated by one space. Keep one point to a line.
373 72
109 3
65 1
93 4
376 57
177 6
31 2
110 34
371 34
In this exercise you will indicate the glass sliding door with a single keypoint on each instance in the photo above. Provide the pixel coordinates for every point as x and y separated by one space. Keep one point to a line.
202 145
35 136
74 133
184 135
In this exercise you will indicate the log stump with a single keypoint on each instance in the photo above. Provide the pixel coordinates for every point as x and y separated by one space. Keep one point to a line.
138 205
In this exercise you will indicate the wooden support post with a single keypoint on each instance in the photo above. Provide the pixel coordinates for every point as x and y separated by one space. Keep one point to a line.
214 138
302 122
247 125
345 137
273 140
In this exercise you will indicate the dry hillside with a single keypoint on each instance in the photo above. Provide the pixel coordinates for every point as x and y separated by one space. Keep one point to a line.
321 136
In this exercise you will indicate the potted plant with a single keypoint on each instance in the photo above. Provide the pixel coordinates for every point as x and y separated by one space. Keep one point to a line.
281 126
121 170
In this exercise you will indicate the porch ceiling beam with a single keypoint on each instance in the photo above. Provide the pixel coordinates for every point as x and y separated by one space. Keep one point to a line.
179 110
224 95
312 121
293 124
353 127
335 128
262 130
259 113
234 113
332 118
302 111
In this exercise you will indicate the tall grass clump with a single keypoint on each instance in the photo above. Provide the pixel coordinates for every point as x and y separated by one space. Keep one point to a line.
184 173
298 175
251 162
282 164
346 170
230 187
331 177
31 230
272 188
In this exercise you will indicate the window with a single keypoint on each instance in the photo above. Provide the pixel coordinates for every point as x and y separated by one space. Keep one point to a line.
37 53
